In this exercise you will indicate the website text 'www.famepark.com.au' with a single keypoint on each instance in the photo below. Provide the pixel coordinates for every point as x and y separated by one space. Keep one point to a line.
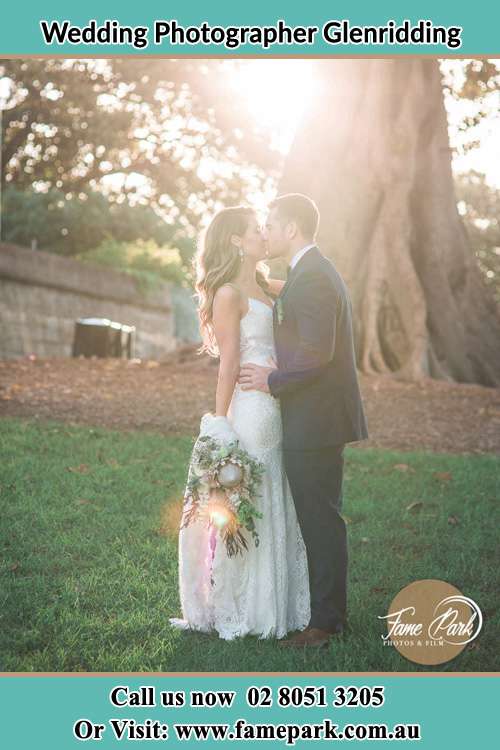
129 729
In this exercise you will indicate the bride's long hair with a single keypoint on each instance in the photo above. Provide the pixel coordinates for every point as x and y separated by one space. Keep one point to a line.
217 262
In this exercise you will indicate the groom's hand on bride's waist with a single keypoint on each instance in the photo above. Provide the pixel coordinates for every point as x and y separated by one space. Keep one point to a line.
254 377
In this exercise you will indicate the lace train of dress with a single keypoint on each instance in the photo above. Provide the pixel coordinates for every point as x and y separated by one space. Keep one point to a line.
264 591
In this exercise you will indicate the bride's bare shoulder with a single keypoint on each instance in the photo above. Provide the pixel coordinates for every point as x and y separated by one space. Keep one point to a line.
227 298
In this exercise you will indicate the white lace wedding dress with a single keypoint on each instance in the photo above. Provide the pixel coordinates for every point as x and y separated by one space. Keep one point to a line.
264 591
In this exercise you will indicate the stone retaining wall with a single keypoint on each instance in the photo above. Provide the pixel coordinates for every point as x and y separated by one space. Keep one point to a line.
42 294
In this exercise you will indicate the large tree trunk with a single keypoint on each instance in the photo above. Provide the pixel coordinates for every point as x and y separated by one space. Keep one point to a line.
373 152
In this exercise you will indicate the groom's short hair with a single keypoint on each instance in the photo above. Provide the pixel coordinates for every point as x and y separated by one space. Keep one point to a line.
299 208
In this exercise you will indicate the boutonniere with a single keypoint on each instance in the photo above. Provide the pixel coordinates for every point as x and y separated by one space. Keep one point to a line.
279 310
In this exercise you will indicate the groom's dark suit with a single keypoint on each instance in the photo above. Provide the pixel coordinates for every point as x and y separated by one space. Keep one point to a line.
317 385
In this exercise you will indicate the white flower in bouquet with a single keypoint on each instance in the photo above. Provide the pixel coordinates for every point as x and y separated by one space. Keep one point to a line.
222 488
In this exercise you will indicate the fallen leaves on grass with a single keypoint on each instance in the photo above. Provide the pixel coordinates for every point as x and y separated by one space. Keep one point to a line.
416 505
81 469
404 467
170 397
443 476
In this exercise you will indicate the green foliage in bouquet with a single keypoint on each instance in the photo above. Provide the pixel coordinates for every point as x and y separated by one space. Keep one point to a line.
230 507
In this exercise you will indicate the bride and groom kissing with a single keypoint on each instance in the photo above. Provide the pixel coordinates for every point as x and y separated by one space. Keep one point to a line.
288 391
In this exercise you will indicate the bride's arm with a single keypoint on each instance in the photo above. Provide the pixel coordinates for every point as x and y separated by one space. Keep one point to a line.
226 323
275 285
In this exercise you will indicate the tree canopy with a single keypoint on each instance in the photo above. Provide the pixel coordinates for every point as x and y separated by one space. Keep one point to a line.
169 133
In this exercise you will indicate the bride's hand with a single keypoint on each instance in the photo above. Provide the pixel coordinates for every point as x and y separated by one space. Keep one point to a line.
208 417
218 427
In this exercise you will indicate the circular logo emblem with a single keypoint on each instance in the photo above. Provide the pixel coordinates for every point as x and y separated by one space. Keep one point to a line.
431 622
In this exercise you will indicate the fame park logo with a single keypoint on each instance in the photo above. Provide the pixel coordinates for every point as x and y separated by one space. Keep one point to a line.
430 622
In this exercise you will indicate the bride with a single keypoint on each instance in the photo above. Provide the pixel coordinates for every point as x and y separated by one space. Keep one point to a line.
265 590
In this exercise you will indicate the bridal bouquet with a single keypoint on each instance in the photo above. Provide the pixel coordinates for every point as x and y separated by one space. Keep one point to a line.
223 479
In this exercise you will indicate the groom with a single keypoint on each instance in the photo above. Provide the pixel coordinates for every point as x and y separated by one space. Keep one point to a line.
317 385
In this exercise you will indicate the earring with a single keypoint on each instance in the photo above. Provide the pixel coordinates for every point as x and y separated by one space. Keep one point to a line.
241 254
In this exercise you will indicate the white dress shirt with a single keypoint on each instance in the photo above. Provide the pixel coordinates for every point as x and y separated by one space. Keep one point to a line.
299 255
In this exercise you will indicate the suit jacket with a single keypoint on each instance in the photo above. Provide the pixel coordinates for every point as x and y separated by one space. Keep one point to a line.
316 380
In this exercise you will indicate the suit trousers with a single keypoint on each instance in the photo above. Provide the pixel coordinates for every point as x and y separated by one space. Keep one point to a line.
315 478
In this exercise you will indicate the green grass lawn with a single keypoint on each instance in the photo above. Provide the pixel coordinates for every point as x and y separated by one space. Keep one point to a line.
88 561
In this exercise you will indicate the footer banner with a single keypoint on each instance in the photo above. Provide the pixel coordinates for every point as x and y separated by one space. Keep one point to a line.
289 710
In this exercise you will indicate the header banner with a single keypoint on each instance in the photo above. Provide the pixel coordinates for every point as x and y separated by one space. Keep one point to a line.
318 28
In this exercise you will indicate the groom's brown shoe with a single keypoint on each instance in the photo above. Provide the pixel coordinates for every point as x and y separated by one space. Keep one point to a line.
314 637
